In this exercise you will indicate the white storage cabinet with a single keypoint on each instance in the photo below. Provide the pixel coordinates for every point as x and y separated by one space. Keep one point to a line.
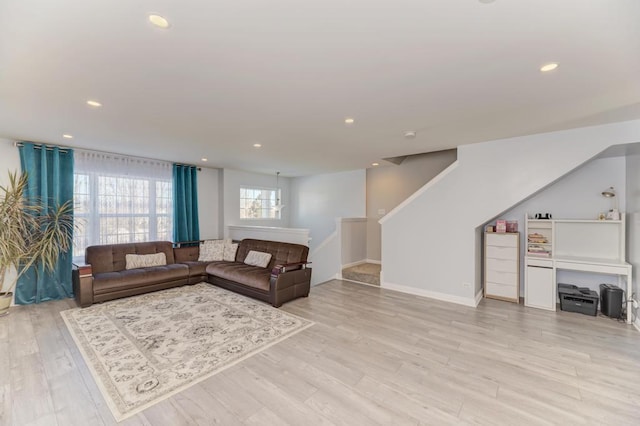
502 266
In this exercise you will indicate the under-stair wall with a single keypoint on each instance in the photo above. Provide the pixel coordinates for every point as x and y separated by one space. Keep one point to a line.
431 243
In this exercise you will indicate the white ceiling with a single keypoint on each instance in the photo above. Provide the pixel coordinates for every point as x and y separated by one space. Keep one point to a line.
285 73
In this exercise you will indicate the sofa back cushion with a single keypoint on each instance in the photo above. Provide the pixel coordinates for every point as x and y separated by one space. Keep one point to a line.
136 261
112 257
281 253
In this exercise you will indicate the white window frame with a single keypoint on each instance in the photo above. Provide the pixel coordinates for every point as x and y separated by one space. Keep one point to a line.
271 202
93 216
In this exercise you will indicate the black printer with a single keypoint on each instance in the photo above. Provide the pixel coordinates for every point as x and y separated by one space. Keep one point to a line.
578 299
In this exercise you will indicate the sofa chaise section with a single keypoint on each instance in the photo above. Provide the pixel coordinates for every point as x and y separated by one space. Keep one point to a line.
287 276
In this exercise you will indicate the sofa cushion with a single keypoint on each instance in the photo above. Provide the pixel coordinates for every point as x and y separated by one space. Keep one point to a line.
196 268
252 276
211 250
133 261
106 282
230 251
258 258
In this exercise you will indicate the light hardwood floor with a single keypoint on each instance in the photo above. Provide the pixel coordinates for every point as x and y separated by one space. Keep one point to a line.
373 357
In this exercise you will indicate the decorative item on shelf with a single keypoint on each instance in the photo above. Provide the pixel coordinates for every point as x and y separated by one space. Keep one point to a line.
489 228
602 216
613 213
512 226
501 226
545 216
538 245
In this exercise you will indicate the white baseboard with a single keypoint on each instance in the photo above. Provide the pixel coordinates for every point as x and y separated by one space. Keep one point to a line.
375 262
466 301
479 296
335 277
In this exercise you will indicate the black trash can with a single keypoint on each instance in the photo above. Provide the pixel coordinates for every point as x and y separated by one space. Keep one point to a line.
611 300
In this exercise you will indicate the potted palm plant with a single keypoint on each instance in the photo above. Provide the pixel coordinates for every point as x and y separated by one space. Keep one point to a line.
30 234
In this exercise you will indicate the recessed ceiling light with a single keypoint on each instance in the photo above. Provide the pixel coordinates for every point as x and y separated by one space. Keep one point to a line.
95 104
257 145
67 136
375 164
349 120
486 1
410 134
549 67
159 21
204 159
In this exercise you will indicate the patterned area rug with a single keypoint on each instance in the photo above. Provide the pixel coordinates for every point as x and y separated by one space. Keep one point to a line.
146 348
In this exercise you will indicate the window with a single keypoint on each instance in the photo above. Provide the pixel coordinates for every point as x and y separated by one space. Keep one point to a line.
120 200
259 203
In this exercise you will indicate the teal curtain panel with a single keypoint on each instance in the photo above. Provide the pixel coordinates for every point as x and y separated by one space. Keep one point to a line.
185 203
50 180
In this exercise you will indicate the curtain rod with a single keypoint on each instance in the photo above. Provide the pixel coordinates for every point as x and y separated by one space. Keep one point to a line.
65 149
189 165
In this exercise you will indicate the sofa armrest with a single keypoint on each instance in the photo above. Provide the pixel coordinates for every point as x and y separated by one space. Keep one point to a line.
82 276
285 286
280 269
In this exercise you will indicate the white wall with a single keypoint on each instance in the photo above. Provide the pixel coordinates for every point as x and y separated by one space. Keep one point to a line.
316 202
9 162
353 232
389 185
633 223
234 179
209 203
326 260
9 159
431 243
576 196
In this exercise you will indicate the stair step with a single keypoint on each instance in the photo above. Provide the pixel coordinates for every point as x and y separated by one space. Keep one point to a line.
368 273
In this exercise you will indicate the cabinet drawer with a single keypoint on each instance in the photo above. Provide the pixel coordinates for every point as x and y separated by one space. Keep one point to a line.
502 265
507 278
501 290
545 263
502 240
496 252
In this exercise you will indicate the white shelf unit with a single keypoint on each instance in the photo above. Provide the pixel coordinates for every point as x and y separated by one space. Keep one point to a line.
542 244
593 239
573 244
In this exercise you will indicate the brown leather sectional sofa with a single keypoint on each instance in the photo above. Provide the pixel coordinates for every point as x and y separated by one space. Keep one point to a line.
104 276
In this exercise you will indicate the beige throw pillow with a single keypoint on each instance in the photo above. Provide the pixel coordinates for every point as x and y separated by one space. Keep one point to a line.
257 258
134 261
211 250
230 252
